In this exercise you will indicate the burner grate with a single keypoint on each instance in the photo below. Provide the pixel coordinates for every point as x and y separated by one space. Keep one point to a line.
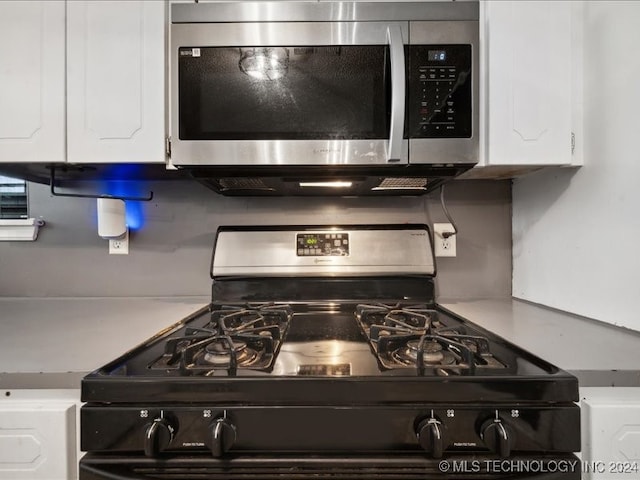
413 336
236 337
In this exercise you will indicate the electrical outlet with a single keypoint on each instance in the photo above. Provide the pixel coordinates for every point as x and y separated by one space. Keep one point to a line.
119 246
444 247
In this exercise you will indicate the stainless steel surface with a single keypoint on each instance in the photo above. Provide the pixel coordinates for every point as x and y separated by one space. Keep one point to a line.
398 87
449 150
372 252
269 34
284 152
325 352
327 23
323 11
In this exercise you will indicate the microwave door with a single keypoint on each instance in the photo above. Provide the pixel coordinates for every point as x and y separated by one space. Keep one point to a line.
303 93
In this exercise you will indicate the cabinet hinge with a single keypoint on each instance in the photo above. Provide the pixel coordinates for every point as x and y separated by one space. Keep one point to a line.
167 146
573 142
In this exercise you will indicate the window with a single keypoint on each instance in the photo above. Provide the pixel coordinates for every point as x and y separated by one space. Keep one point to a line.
13 198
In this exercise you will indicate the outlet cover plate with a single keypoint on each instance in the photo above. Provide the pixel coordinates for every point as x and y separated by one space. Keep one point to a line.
119 246
443 247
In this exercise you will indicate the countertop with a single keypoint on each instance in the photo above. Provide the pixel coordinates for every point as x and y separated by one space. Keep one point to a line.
599 354
54 342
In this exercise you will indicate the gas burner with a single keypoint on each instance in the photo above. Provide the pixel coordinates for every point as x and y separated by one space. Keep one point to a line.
414 337
433 354
245 337
218 353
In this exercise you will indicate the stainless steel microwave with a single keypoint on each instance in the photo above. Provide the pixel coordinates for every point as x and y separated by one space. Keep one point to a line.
325 90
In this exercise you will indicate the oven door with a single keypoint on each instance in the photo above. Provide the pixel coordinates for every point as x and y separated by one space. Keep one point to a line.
299 93
337 467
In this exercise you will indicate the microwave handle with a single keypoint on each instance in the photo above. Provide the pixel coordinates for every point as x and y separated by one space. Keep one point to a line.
396 130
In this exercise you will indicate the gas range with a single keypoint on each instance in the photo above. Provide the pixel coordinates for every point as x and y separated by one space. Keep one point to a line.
325 343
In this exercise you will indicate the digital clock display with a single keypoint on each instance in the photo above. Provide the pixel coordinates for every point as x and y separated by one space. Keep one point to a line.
437 55
325 244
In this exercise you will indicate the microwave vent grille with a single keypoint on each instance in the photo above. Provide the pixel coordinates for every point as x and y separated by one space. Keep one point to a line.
243 183
402 183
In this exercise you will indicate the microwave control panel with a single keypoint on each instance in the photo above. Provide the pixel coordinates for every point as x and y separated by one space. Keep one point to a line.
334 244
439 103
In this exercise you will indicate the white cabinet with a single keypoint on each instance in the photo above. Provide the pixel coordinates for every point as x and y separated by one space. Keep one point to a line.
102 100
32 81
530 82
116 81
38 438
610 433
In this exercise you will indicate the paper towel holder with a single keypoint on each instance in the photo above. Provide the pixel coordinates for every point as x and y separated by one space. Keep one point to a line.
52 182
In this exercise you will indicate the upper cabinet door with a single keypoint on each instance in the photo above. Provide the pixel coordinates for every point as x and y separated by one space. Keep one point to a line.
526 50
32 95
116 81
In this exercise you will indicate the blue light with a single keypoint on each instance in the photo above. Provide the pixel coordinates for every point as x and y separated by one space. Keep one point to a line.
134 211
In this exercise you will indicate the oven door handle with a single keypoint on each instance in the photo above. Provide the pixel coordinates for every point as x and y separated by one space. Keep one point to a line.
398 91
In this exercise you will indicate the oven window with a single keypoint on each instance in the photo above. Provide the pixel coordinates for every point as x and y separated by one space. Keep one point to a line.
284 93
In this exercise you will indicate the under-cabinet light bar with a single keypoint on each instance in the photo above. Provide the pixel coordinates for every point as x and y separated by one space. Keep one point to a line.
335 184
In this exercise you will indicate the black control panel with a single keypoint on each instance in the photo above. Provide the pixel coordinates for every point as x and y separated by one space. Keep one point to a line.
461 428
440 101
322 244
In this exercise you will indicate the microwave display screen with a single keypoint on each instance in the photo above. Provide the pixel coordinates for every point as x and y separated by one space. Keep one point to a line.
437 55
284 93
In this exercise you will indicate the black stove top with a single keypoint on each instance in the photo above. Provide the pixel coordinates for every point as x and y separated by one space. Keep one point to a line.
358 340
229 350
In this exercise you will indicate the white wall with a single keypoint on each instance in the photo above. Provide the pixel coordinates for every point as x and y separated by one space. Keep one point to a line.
576 233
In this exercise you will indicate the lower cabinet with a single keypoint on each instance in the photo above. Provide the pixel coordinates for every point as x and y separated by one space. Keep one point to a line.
38 434
610 433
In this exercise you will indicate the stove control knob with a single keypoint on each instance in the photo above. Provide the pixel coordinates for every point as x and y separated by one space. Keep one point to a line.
497 436
430 436
223 436
157 437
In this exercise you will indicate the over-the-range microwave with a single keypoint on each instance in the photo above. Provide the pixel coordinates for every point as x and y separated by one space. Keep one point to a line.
301 97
